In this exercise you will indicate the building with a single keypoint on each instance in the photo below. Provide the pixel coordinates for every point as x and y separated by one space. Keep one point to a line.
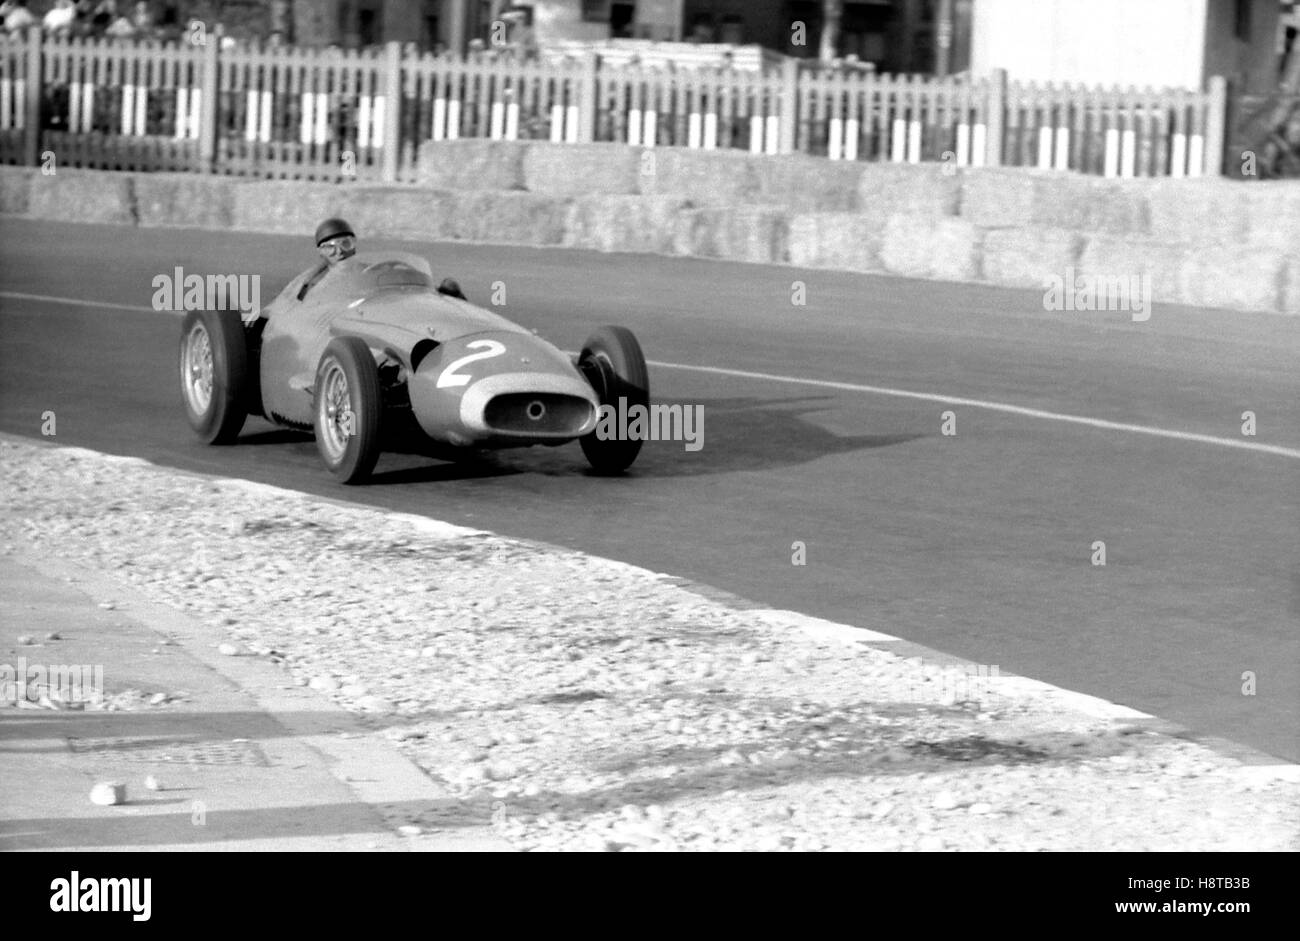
893 35
1161 43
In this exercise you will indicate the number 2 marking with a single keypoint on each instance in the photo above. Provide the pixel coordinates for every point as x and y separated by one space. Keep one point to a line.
450 377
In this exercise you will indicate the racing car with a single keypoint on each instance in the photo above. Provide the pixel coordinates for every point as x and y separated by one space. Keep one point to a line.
375 345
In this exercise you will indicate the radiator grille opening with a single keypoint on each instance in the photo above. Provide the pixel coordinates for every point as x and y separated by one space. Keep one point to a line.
543 413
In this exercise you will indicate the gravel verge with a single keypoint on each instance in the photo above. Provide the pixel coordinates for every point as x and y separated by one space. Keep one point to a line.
579 703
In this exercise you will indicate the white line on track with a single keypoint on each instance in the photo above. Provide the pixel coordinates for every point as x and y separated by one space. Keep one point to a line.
1104 424
997 407
72 301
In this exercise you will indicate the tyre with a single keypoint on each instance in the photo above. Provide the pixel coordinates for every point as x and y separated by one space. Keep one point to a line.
349 409
612 361
214 374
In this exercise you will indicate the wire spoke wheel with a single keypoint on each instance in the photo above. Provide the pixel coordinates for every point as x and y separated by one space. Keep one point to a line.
214 374
348 409
336 419
197 381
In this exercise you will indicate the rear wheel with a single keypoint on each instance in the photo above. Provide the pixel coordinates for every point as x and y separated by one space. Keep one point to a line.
214 374
613 363
349 409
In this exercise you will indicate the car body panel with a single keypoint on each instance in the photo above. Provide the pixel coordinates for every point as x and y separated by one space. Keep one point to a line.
473 378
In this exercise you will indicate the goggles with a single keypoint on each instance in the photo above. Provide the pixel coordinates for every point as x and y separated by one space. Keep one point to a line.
338 245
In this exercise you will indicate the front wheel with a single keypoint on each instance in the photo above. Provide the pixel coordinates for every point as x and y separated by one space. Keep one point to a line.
214 374
349 409
613 363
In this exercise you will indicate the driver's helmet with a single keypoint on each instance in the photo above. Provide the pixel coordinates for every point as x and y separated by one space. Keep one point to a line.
332 229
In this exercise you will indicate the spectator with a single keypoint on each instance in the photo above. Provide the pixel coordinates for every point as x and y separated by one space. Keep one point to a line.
121 28
142 19
58 22
17 18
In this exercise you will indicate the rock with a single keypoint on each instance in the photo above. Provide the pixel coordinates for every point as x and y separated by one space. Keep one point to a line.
674 726
228 650
374 704
531 790
930 843
403 735
152 783
355 691
640 835
26 640
326 684
502 770
108 605
473 755
108 793
157 699
981 807
53 635
409 829
944 800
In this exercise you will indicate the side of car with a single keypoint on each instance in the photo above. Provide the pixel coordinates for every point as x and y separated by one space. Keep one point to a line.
344 373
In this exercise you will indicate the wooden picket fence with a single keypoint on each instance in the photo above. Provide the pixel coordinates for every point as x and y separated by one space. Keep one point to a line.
369 114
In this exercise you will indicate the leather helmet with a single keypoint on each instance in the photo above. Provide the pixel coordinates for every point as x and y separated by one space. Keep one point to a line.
333 228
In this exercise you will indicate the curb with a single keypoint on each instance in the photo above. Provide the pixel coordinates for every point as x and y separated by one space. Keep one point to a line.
262 681
352 753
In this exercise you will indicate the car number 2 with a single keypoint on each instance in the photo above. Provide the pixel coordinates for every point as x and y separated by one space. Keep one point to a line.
450 377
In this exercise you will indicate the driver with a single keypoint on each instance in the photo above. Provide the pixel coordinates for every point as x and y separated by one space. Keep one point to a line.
335 240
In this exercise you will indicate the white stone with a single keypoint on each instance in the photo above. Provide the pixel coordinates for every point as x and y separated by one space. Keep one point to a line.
108 793
944 800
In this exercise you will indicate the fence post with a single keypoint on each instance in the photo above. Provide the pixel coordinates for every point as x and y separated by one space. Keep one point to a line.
587 100
1216 125
789 104
32 104
997 113
208 104
393 112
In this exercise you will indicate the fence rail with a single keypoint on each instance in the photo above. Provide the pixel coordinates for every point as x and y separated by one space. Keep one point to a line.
333 114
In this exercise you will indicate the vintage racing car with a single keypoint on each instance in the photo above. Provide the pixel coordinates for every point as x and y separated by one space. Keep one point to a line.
375 345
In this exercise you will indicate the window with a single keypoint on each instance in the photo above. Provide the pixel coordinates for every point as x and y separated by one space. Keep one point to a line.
621 16
368 26
1241 24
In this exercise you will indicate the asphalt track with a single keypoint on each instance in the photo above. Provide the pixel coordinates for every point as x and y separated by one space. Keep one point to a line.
979 543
